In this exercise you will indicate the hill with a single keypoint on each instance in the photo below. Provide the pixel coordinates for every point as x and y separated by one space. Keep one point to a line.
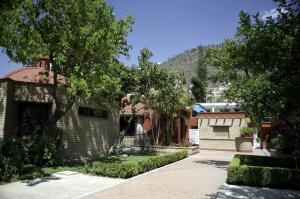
187 62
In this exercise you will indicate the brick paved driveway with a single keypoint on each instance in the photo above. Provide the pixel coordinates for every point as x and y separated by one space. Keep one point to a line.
198 176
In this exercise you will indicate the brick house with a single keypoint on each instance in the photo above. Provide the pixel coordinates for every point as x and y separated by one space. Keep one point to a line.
25 100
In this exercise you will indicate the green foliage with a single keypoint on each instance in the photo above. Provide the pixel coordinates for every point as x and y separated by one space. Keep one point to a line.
8 168
198 89
12 159
286 142
199 81
42 151
263 171
129 169
264 161
160 90
261 63
187 63
36 149
116 149
247 131
14 149
82 39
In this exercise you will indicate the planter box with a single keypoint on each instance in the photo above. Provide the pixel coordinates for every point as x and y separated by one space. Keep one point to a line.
161 149
244 144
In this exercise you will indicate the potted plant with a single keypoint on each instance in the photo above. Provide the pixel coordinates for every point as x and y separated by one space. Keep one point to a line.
247 131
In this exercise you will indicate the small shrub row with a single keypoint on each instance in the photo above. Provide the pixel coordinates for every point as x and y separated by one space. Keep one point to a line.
265 176
127 170
264 161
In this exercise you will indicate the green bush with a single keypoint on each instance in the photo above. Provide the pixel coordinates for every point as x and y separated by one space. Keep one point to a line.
39 149
247 131
263 171
12 158
265 161
127 170
288 142
8 168
43 151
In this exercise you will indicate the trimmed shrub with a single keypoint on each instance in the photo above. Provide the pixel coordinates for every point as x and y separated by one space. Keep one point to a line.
264 161
243 170
127 170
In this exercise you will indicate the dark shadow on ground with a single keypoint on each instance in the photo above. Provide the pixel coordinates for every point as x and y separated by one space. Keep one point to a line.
215 163
244 192
31 183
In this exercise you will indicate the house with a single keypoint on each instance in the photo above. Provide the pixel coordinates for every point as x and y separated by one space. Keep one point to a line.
150 123
25 100
216 92
130 120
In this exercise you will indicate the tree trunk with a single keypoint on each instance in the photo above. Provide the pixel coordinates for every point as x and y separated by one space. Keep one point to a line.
171 127
179 127
152 129
60 108
158 131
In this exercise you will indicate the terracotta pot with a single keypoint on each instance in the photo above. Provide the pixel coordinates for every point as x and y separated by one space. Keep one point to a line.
247 135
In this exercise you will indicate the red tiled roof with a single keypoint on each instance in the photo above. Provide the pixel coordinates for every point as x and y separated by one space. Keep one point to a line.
34 74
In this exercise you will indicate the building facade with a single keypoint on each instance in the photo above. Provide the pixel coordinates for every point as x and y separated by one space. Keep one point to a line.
221 131
25 101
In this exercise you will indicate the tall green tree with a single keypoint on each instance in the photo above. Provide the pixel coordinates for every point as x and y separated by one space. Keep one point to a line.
160 90
262 64
82 39
199 81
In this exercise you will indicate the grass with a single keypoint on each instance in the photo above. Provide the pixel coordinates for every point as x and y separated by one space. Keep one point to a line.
112 166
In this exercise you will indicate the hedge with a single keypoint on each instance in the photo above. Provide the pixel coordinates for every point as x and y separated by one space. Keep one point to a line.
265 161
263 171
127 170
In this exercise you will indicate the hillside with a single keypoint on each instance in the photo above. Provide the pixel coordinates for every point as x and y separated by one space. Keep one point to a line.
186 62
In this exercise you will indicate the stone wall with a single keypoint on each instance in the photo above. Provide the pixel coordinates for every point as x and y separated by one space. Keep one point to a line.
83 135
220 130
86 135
3 101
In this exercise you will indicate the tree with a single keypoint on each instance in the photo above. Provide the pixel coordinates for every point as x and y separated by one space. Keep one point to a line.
199 81
162 91
82 40
262 63
198 89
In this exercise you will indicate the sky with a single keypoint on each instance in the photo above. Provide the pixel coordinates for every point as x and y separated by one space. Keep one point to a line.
168 27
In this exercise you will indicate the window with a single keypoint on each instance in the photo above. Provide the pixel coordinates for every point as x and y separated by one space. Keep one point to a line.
221 129
32 115
84 111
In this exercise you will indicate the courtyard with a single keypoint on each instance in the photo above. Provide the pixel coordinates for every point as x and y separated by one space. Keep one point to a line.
199 176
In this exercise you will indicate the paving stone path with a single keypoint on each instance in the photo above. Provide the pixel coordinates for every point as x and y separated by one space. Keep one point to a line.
200 176
62 185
